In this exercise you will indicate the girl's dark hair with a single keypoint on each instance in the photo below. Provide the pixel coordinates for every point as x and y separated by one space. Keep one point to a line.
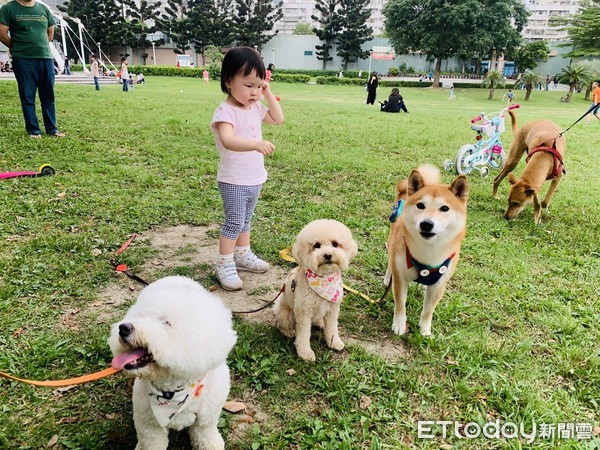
241 59
395 91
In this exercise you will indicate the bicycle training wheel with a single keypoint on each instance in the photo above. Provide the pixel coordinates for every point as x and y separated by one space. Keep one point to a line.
464 167
497 160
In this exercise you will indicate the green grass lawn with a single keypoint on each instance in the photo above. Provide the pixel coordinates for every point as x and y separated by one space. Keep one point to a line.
516 336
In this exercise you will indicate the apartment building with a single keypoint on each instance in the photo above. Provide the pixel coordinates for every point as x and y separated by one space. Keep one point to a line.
541 11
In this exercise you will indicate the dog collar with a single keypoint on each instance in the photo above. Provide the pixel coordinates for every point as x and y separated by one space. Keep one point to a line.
329 287
427 275
167 404
397 210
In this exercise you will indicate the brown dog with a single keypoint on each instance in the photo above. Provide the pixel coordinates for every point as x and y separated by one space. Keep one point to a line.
425 239
540 139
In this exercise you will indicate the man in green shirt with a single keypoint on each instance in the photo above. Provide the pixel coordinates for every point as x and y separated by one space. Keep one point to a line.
31 28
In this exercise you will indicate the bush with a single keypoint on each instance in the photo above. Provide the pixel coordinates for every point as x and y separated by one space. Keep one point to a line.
294 78
479 85
361 82
393 71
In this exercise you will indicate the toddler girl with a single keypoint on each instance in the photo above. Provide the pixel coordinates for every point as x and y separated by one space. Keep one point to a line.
237 125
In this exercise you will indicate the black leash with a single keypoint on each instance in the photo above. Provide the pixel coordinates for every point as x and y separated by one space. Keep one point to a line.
577 121
266 305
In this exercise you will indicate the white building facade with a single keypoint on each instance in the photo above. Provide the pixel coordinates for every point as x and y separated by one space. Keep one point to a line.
540 13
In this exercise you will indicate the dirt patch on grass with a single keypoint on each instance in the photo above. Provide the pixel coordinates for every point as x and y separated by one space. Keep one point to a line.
196 248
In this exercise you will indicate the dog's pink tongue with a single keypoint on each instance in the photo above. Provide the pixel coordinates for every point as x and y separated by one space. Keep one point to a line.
123 359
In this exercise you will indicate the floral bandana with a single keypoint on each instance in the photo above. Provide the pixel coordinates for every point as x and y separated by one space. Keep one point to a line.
329 287
166 405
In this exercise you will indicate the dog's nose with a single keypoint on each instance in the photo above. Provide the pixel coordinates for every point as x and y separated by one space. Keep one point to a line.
426 225
327 256
125 329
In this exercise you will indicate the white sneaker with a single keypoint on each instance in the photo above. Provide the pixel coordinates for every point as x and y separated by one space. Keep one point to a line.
228 277
250 262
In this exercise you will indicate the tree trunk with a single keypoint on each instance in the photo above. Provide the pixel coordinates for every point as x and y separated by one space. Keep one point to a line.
572 87
527 92
493 61
588 91
436 74
491 96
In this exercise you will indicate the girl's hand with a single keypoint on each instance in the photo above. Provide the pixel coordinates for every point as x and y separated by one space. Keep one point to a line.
266 89
265 147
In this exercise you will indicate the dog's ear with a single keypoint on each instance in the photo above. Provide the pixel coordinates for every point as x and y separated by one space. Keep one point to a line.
297 251
460 188
529 191
511 178
415 182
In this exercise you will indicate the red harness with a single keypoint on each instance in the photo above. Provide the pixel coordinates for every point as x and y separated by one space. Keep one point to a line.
558 161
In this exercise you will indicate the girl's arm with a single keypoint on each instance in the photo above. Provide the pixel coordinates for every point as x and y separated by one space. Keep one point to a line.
275 114
239 144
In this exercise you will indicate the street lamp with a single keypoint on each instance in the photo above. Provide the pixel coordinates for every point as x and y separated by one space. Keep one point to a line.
100 51
273 58
154 52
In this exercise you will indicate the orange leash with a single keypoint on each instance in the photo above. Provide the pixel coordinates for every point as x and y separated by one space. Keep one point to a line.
69 382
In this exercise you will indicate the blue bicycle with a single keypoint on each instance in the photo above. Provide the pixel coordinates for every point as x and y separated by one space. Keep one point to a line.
486 151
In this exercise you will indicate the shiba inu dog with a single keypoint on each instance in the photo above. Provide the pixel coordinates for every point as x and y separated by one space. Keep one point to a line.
428 226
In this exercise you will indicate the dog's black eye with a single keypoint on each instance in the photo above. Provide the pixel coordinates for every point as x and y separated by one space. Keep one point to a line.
444 208
317 245
421 205
334 243
515 203
167 323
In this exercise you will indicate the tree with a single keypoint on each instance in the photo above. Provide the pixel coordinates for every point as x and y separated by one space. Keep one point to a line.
354 30
574 75
583 29
174 22
253 19
447 28
303 29
493 79
527 56
211 24
530 79
140 15
594 67
330 25
439 28
503 21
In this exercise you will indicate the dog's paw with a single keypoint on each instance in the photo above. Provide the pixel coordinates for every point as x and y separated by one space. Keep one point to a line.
425 328
288 332
307 355
337 345
399 328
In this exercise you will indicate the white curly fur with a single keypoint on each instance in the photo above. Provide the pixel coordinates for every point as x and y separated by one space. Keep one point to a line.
188 331
299 307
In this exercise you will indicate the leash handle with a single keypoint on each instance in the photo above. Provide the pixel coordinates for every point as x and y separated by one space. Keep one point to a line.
59 383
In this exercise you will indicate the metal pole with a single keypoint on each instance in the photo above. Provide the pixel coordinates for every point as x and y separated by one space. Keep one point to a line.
63 35
370 55
81 45
273 59
154 52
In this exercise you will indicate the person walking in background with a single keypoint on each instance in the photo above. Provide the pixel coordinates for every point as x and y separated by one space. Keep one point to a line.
31 27
510 95
372 89
237 126
548 82
595 101
95 71
124 74
452 96
67 70
205 76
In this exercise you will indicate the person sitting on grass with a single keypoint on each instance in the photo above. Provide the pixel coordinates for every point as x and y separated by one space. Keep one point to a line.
394 103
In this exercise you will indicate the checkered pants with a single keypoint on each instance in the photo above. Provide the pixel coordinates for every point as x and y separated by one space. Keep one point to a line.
239 203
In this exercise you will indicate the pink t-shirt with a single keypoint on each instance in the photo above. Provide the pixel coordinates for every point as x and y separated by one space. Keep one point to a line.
241 168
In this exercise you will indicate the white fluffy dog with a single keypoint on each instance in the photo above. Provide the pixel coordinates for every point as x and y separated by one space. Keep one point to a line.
313 291
175 340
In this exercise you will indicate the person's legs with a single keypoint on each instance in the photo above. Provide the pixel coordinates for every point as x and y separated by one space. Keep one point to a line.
27 76
233 206
595 111
46 92
125 85
97 83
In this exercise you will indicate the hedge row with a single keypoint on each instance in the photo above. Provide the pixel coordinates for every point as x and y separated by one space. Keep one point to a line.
382 83
165 71
480 85
292 78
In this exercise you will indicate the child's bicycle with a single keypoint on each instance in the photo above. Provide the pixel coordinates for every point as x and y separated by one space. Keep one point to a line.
485 152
